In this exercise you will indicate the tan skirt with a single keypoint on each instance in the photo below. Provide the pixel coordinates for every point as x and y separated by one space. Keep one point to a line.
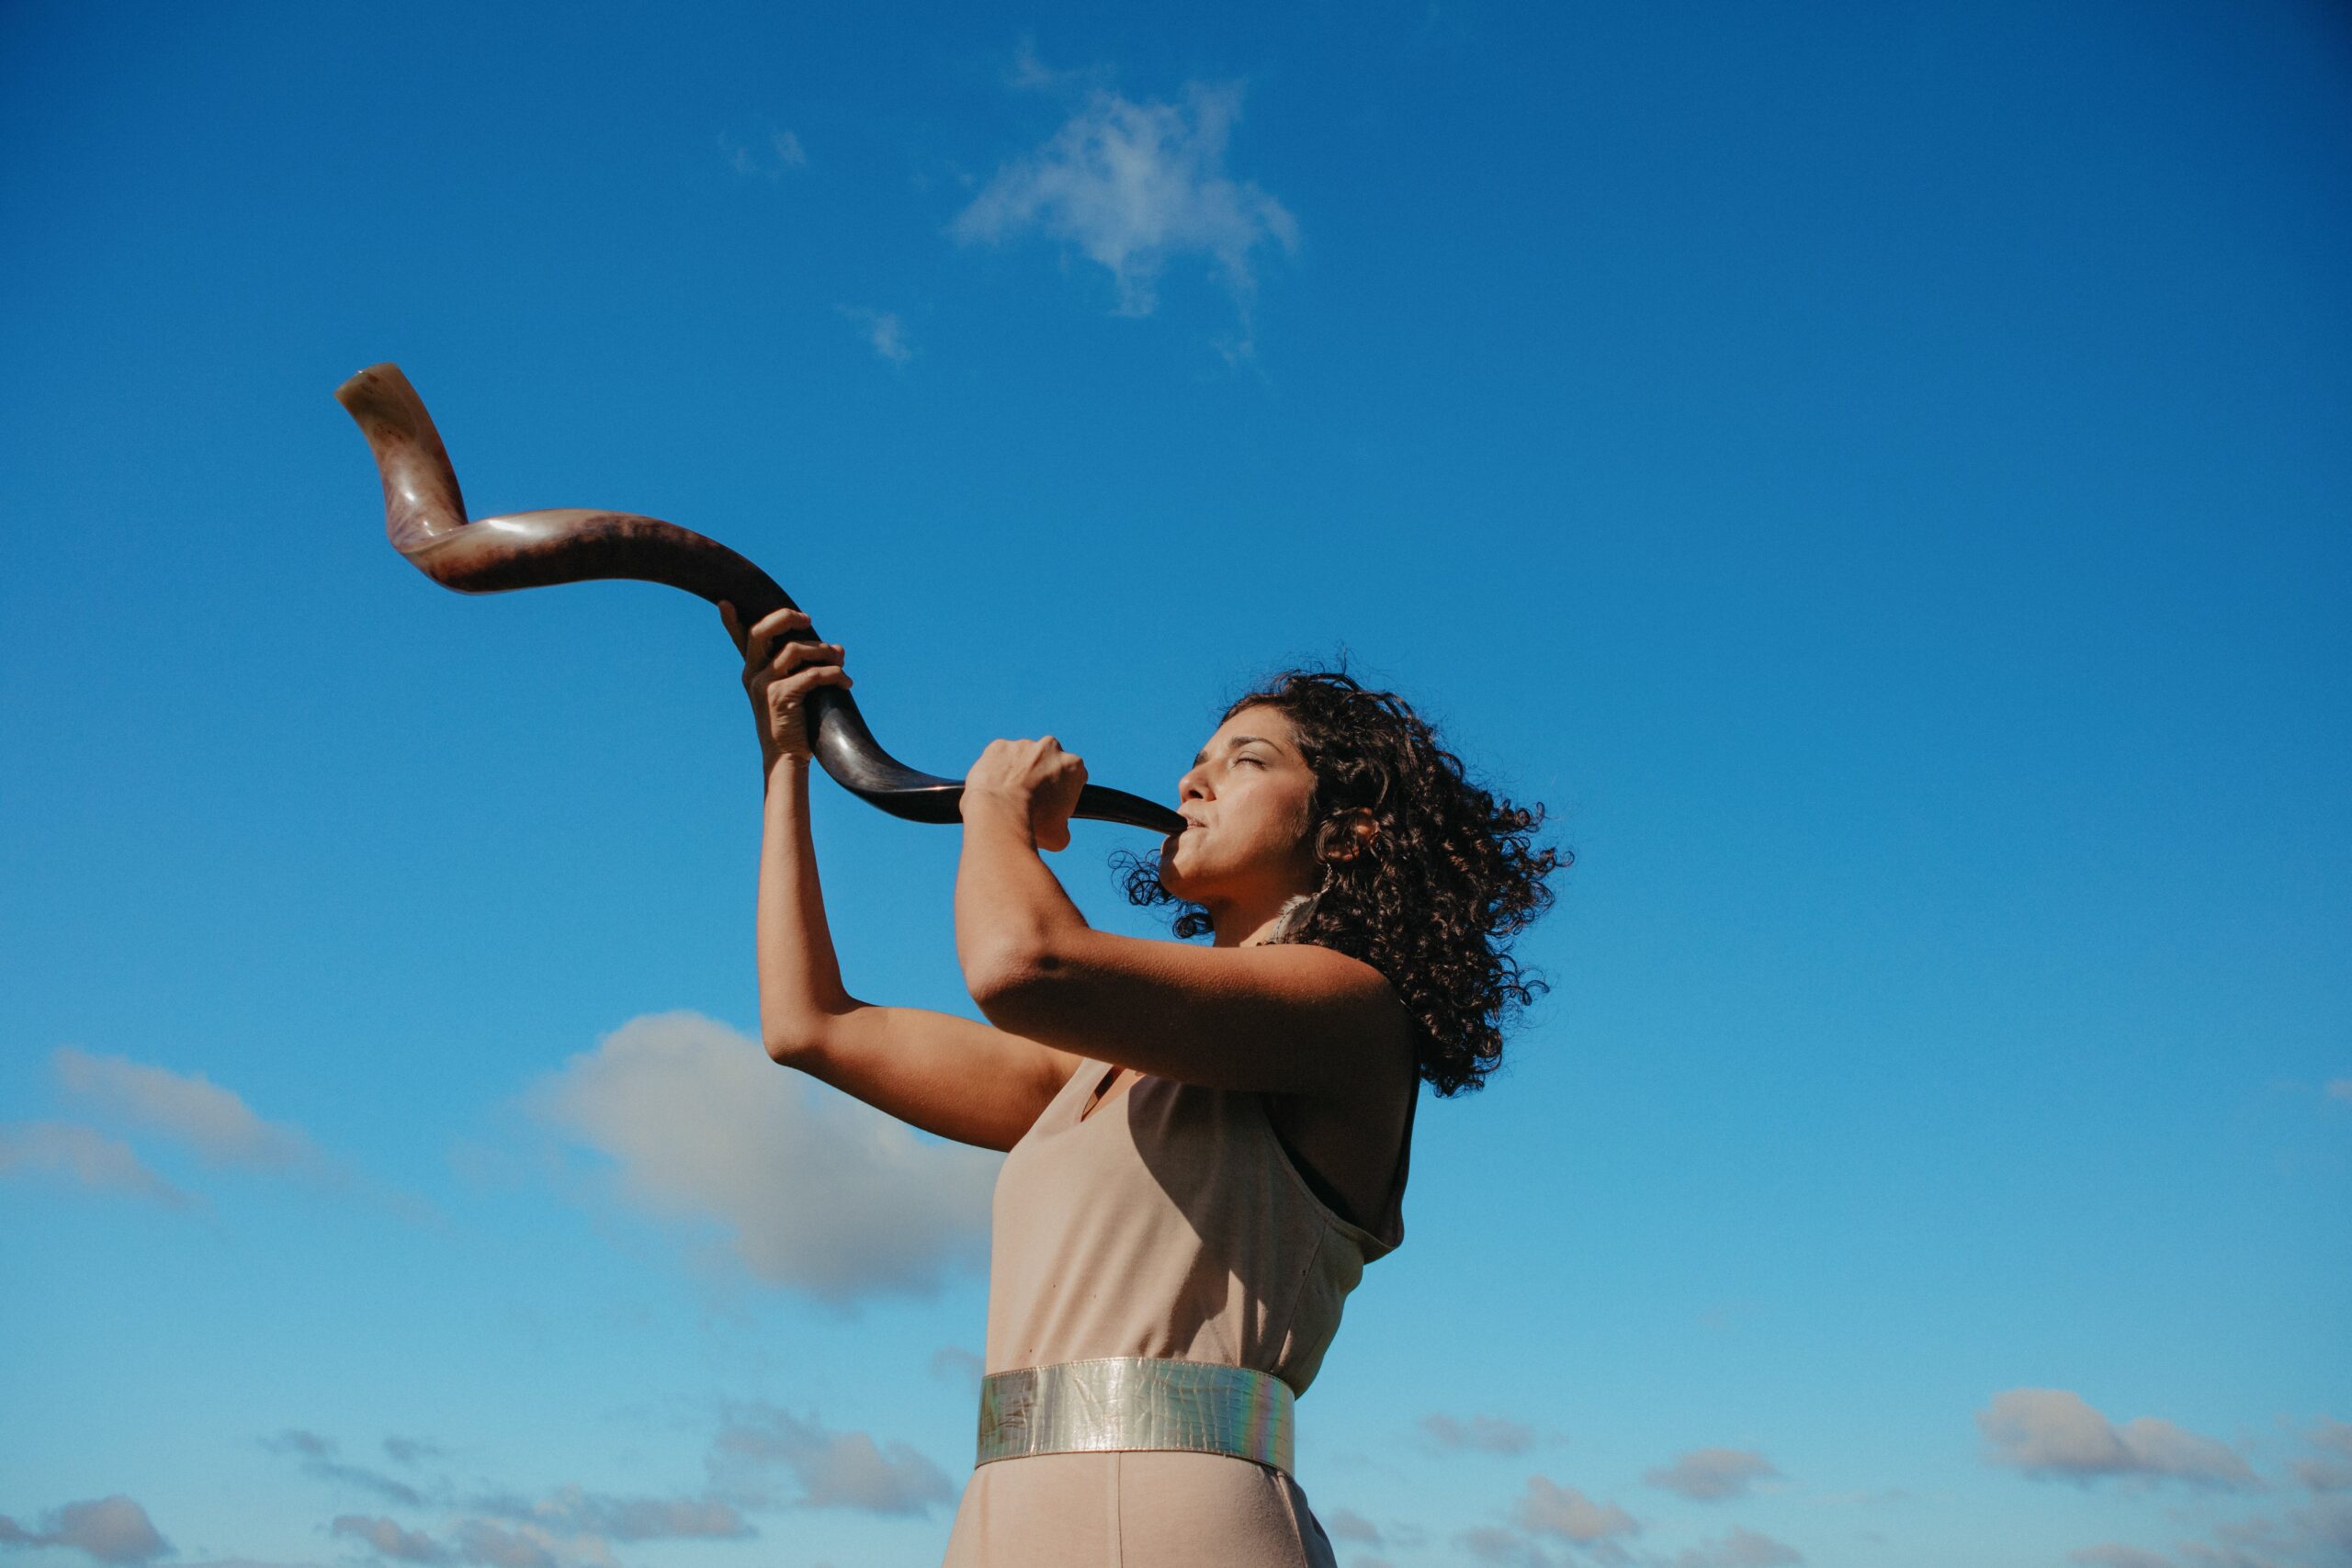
1134 1510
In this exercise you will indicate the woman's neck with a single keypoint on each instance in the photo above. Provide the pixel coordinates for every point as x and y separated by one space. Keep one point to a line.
1240 924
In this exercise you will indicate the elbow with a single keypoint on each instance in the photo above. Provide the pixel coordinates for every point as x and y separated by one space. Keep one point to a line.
787 1049
794 1042
1012 982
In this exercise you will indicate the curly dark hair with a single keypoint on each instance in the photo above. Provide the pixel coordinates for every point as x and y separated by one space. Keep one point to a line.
1451 874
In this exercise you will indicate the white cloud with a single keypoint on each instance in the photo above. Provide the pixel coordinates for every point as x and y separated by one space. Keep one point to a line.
1030 74
220 1128
387 1539
574 1511
112 1529
2340 1089
87 1156
1490 1543
772 159
527 1546
1743 1548
2053 1434
1133 185
2319 1536
813 1190
883 332
1483 1433
1710 1475
2330 1469
1565 1512
830 1469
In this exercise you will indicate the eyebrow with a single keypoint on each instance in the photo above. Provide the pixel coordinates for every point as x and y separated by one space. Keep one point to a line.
1236 744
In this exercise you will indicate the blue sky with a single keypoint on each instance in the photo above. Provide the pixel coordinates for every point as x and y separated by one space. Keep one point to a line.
1877 475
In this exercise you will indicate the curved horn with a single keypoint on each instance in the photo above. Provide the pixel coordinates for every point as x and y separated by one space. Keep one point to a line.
424 515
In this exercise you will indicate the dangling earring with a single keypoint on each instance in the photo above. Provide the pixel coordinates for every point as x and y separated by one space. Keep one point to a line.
1292 917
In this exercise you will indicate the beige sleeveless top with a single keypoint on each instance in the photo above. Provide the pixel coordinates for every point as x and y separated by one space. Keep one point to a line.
1170 1223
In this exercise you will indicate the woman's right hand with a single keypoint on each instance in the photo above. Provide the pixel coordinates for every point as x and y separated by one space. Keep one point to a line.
781 666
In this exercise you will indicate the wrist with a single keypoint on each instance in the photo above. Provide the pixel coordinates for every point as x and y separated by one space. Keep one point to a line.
994 807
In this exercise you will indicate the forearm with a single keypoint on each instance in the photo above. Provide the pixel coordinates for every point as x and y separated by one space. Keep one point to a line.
800 978
1010 912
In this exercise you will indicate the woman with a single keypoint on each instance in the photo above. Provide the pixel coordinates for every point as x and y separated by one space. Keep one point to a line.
1206 1144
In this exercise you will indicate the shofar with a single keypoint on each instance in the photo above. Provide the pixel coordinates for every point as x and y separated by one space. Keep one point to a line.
426 517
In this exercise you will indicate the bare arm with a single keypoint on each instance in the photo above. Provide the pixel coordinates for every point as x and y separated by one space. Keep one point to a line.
955 1076
1282 1019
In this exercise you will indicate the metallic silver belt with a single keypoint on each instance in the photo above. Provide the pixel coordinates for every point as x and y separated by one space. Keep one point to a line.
1125 1402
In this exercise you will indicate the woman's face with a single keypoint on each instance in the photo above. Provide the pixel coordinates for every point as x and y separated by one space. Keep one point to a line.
1245 802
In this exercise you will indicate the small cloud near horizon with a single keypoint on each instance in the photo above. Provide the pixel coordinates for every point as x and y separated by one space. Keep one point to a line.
1479 1434
1567 1513
113 1530
827 1469
2053 1434
88 1159
1711 1475
212 1123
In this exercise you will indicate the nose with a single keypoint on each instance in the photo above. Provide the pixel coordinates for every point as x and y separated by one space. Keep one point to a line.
1193 785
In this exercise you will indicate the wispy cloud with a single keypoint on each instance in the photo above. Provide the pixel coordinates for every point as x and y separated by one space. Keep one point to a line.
320 1458
812 1189
2329 1469
86 1157
1567 1513
1346 1524
956 1364
573 1511
770 157
412 1450
1481 1434
217 1125
387 1539
1711 1475
2054 1434
1133 185
2113 1554
760 1443
2340 1091
1743 1548
2318 1536
1491 1543
493 1545
113 1530
1029 73
885 333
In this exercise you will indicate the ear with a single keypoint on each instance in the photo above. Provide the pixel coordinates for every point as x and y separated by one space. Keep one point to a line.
1353 833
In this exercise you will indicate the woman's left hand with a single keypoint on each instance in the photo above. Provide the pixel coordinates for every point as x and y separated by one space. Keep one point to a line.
1035 779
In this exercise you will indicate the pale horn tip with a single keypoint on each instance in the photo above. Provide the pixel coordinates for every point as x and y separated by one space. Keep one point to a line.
422 502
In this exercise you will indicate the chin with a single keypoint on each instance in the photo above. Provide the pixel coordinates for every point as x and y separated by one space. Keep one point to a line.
1179 878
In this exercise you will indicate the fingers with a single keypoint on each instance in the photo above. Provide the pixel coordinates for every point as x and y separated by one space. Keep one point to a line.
777 645
774 628
800 655
791 690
